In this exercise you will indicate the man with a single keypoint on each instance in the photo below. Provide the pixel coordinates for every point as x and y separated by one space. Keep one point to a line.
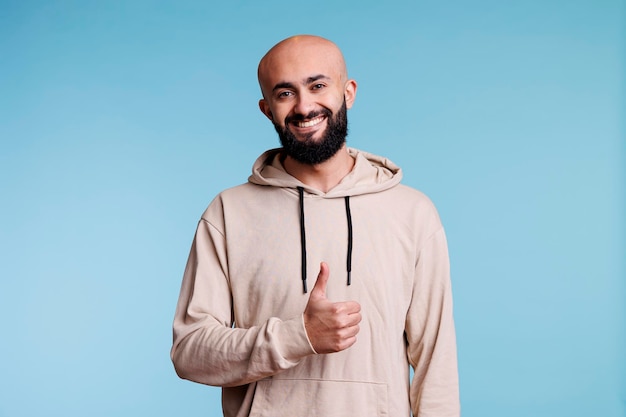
250 318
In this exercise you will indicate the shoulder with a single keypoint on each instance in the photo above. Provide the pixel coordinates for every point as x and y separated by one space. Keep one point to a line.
410 203
409 195
239 192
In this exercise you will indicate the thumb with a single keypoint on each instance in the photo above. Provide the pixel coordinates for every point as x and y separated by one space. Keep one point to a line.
322 280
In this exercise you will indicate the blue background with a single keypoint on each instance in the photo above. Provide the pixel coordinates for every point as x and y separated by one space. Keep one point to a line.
120 121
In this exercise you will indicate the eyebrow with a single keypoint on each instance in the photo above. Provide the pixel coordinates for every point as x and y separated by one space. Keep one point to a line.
309 80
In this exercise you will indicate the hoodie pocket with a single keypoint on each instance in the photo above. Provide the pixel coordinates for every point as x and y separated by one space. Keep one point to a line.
318 398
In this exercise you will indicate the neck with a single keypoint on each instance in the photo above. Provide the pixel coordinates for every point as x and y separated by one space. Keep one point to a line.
322 176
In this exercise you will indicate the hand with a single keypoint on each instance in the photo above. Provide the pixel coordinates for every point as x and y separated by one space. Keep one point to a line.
331 327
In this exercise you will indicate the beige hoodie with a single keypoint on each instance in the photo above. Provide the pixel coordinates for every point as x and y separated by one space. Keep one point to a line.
239 322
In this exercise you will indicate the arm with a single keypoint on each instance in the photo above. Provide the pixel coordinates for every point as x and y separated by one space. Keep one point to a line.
206 348
430 333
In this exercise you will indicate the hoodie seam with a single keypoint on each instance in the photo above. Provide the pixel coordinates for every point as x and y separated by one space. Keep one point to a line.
356 381
213 227
428 239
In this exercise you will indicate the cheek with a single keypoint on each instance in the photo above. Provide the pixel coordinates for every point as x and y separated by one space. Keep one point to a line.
279 120
278 115
335 103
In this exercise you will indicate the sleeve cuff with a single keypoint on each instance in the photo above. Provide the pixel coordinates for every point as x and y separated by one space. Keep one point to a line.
295 343
306 334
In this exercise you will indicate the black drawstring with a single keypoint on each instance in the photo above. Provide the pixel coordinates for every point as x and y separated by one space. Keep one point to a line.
303 239
349 260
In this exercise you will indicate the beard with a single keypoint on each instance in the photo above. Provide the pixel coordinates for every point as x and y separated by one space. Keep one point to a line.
309 151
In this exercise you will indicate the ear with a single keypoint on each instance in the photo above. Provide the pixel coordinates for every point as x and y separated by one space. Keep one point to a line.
265 109
350 93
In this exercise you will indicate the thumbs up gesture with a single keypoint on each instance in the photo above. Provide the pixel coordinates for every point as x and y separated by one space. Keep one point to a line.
331 327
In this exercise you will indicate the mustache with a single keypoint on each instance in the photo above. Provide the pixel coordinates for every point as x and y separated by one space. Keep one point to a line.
311 115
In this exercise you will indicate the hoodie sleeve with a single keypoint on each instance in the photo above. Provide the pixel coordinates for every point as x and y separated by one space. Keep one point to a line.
207 348
430 333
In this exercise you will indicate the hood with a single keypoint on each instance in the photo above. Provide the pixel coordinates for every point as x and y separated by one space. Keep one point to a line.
371 174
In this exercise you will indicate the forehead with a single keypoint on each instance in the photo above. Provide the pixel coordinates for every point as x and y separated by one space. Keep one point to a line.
297 63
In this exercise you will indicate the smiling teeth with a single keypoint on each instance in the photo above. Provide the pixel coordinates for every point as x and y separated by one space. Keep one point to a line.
311 122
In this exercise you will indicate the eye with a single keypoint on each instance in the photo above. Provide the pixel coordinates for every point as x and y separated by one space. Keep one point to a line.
285 94
318 86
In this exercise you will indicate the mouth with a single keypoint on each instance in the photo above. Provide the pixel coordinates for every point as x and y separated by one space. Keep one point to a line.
309 123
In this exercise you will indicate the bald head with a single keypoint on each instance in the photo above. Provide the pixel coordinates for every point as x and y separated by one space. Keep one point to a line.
298 55
306 93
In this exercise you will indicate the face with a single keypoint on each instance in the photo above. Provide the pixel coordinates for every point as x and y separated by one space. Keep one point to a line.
306 95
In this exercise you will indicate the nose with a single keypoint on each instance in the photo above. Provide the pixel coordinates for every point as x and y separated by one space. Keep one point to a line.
304 104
